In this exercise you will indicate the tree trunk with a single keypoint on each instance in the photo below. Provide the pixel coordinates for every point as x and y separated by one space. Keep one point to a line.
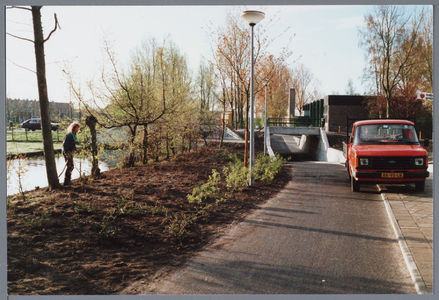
49 154
91 123
167 146
145 144
131 140
223 123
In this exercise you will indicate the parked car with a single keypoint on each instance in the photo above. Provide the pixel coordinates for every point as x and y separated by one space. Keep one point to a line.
35 124
387 152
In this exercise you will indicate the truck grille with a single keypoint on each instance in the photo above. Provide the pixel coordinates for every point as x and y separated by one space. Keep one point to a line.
392 162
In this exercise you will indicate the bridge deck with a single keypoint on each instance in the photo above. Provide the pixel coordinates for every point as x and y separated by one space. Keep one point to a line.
295 130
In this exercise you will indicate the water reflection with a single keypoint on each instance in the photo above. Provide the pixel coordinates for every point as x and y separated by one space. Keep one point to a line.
35 172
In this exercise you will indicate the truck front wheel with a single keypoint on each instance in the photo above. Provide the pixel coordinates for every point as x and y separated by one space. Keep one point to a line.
420 186
355 185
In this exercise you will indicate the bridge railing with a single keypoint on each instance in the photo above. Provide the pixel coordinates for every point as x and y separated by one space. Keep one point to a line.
296 122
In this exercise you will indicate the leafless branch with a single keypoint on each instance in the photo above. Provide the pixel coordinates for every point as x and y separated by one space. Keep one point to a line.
54 29
19 7
15 36
22 66
21 38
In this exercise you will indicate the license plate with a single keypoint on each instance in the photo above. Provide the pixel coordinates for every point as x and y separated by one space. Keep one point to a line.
392 175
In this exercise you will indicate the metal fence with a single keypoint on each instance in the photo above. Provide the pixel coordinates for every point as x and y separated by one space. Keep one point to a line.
296 122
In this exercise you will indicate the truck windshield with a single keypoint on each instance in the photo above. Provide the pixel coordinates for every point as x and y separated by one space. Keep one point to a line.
385 134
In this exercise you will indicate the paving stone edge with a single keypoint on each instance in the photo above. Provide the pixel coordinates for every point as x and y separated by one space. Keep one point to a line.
420 286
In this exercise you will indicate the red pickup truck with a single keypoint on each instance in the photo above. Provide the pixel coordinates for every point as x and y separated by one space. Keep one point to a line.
387 152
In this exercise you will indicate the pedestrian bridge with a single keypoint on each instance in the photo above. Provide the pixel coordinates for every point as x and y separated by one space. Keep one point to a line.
295 130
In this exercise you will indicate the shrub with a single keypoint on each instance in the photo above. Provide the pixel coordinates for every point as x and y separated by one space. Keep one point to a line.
203 213
158 210
210 188
266 167
108 227
38 220
236 176
179 225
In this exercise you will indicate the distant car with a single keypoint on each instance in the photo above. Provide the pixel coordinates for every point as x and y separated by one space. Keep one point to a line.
35 124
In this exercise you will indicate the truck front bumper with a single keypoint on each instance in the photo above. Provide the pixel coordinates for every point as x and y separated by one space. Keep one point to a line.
378 176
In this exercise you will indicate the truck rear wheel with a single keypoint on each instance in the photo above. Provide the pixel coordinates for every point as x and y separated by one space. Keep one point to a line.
355 185
420 186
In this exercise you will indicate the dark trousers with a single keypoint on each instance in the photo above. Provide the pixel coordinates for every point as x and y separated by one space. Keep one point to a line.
69 169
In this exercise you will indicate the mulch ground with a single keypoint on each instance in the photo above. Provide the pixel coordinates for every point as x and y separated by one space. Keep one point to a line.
100 235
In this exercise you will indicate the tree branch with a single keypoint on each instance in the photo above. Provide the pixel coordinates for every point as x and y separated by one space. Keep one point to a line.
19 7
56 26
22 67
20 38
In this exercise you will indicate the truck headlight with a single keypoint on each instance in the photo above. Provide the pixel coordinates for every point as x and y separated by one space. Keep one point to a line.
419 161
364 161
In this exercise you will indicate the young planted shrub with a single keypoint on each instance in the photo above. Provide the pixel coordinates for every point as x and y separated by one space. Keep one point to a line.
209 189
179 225
236 176
266 167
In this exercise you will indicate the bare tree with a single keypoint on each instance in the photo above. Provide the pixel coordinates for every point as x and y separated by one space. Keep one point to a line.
390 42
39 40
423 69
306 86
350 89
205 83
231 46
277 93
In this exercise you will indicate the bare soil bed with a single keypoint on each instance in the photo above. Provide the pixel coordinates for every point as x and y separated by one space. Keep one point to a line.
98 236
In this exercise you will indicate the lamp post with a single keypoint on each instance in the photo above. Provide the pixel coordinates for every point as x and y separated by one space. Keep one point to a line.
252 17
265 119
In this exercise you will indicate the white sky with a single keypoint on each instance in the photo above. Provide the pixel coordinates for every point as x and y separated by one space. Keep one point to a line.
326 38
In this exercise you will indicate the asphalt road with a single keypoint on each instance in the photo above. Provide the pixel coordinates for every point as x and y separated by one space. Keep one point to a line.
315 237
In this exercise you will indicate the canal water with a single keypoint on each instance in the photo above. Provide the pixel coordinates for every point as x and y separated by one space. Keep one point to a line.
33 172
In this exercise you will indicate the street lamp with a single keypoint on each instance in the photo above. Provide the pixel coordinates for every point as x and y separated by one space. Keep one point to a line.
265 119
252 17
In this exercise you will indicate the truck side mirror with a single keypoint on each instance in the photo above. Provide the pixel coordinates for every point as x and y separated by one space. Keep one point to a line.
426 142
351 139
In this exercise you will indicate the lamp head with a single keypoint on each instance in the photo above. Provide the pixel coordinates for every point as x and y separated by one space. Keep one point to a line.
252 17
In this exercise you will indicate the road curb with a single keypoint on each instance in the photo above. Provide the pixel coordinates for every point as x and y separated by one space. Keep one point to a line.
420 286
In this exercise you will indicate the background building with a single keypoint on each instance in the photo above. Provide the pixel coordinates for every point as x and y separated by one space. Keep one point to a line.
21 110
335 109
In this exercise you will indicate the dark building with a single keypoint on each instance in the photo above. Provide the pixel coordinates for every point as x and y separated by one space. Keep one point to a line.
338 107
335 109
